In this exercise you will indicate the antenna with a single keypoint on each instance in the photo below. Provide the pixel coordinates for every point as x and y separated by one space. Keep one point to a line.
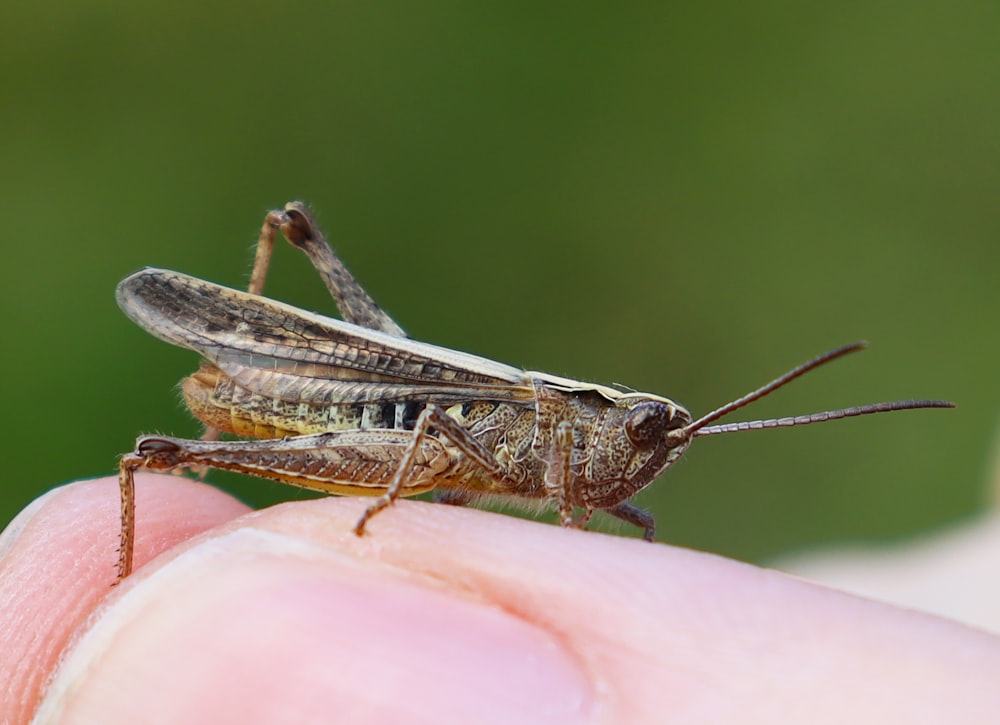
701 426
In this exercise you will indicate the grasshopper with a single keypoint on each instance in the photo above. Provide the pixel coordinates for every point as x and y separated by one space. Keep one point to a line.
355 407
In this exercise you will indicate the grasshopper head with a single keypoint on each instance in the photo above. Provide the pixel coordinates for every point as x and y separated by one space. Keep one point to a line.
648 433
641 437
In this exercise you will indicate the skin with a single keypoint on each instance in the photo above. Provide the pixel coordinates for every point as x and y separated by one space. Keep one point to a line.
439 614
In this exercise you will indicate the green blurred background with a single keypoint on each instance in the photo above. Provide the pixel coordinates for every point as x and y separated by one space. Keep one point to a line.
687 199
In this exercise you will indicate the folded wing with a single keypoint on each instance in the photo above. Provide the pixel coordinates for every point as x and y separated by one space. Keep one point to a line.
275 349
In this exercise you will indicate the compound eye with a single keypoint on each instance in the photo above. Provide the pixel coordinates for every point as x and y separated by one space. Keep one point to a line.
646 423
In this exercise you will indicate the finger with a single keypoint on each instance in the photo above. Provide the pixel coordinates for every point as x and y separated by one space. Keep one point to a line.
58 562
285 613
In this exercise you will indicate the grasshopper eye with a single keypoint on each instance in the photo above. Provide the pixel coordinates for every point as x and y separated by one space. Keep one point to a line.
646 423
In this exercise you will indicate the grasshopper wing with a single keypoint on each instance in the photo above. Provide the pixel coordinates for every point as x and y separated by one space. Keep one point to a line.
273 348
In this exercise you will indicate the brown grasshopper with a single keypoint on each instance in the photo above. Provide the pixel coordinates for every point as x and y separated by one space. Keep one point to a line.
355 407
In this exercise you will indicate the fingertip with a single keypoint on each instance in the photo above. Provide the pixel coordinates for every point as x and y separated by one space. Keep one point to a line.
58 561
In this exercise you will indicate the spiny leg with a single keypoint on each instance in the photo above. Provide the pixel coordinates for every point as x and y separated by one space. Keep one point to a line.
432 417
299 227
347 461
559 477
262 255
156 454
558 474
126 484
636 516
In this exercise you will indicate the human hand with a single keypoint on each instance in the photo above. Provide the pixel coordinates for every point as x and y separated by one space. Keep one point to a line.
439 614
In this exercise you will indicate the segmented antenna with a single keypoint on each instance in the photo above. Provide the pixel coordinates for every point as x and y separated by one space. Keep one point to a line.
701 426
